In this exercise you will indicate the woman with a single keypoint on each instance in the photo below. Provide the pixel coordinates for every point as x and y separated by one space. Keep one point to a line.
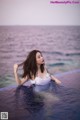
34 70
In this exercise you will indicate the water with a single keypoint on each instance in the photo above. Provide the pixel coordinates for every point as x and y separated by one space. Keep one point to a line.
60 46
55 103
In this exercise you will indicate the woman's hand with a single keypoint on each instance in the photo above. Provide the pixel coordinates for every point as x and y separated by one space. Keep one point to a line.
55 79
15 67
58 81
18 80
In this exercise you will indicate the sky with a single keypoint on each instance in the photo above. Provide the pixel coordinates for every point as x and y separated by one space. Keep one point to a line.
38 12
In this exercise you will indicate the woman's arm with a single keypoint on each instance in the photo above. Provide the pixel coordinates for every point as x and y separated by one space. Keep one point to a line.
18 80
55 79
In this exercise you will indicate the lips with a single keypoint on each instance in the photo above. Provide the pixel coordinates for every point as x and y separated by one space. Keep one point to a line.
42 60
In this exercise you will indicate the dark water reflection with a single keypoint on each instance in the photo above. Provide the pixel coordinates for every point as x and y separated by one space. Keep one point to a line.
54 103
58 102
35 103
30 101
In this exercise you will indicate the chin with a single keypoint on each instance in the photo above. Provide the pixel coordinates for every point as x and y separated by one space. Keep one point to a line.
42 63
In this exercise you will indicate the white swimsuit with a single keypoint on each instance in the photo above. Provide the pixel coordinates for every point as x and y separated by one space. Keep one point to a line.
39 81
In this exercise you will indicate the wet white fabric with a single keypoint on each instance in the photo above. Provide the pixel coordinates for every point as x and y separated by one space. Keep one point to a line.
39 81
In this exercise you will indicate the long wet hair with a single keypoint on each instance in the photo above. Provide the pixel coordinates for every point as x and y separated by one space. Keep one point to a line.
30 65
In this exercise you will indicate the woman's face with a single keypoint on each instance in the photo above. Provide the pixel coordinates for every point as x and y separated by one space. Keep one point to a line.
39 58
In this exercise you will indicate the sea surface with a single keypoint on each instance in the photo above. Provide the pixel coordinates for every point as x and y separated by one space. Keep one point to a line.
51 102
60 46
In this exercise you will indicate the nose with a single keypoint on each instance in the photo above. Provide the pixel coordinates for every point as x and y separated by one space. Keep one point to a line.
42 58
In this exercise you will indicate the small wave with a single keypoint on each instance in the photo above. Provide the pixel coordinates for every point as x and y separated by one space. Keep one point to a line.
47 52
56 64
72 54
67 59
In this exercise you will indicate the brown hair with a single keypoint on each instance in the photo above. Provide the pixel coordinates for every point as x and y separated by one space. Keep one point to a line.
30 65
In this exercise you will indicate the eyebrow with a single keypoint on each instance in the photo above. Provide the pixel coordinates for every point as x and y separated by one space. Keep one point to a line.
39 55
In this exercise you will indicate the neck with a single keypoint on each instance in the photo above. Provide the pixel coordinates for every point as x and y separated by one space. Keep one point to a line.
38 66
